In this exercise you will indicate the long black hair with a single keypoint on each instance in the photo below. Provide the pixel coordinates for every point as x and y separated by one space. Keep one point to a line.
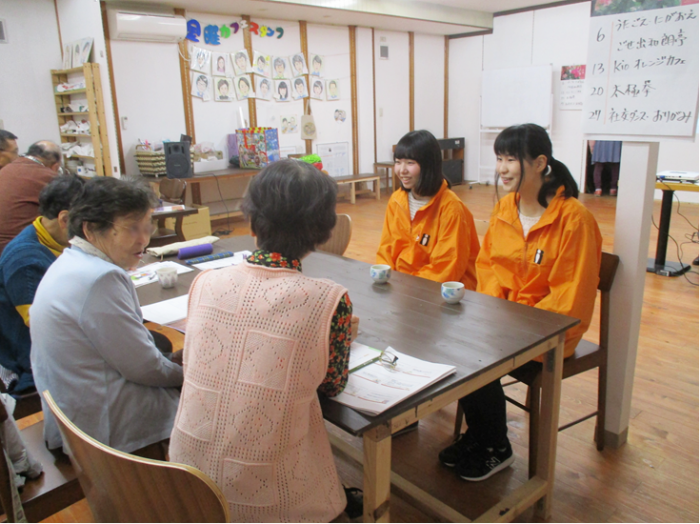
423 147
527 142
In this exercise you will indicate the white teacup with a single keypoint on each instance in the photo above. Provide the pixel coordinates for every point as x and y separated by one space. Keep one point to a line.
380 273
167 276
452 292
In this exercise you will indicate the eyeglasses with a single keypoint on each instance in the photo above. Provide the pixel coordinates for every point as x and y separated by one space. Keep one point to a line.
388 358
137 230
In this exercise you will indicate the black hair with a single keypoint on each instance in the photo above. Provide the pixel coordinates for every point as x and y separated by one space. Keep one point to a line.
203 78
49 153
423 147
291 207
282 85
244 80
105 199
318 59
222 82
332 82
298 82
261 57
297 58
5 137
57 195
318 83
265 82
527 142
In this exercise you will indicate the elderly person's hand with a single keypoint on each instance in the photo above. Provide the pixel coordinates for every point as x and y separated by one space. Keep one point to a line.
354 327
176 357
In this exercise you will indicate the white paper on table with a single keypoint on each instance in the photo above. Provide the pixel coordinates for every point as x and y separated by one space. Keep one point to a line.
166 311
147 274
237 258
376 387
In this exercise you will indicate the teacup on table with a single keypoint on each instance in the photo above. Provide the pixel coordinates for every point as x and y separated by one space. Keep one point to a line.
380 273
452 292
167 276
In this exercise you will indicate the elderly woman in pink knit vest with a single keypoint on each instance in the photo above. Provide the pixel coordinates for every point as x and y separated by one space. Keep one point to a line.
262 338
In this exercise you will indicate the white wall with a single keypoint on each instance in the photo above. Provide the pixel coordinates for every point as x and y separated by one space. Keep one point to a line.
79 19
365 99
429 82
391 81
332 42
557 36
141 68
27 104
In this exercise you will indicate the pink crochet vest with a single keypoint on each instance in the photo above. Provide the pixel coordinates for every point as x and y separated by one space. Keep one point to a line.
256 350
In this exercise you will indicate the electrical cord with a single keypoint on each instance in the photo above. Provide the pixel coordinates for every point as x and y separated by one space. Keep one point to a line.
679 253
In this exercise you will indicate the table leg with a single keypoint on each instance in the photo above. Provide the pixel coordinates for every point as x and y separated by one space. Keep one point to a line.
664 226
178 228
377 474
377 189
549 423
352 192
196 194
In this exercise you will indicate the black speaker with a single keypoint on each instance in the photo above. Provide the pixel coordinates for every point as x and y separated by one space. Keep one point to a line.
177 160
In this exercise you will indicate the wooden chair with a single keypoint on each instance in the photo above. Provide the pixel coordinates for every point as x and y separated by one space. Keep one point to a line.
173 191
125 488
340 236
55 489
586 357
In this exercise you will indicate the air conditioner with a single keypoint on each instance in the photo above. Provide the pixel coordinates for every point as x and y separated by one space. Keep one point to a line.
135 24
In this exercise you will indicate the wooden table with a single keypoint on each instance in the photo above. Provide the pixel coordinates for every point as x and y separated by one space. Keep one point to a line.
356 179
658 264
483 337
178 212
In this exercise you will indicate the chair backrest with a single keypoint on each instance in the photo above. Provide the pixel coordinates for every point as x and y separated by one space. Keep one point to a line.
340 236
608 268
121 487
173 190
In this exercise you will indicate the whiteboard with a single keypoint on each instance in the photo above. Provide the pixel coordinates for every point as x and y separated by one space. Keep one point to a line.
516 96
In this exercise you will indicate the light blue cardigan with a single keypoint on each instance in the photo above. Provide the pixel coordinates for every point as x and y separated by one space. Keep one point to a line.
91 350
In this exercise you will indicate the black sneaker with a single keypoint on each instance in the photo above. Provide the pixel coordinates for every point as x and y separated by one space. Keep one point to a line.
463 445
485 462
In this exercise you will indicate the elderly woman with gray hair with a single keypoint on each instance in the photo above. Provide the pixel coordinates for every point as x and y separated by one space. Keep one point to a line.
90 348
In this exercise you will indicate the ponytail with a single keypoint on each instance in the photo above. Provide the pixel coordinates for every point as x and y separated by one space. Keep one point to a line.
558 176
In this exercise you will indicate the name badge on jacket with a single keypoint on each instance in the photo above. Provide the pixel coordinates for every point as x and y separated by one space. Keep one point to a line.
423 239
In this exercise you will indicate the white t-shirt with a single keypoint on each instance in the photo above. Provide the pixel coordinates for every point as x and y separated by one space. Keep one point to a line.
527 223
414 204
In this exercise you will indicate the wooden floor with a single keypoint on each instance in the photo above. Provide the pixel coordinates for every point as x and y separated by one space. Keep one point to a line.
653 478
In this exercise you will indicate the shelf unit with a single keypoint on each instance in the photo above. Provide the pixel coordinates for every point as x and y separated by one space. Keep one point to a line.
95 114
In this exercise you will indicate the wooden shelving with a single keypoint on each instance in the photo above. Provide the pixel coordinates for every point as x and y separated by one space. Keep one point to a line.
95 114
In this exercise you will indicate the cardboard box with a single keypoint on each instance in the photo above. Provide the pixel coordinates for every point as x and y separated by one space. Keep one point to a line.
194 226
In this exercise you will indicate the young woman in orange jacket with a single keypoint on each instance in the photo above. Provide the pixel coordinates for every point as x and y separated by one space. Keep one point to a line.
428 231
542 249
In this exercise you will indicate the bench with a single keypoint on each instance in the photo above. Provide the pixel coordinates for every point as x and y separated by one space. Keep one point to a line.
355 179
57 487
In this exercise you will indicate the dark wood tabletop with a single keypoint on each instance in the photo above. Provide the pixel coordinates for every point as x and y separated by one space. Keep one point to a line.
409 314
179 210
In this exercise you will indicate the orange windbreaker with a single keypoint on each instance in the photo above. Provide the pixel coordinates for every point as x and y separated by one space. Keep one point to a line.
440 243
567 242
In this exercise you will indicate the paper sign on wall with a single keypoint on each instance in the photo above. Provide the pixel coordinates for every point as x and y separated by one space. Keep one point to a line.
642 71
571 87
335 157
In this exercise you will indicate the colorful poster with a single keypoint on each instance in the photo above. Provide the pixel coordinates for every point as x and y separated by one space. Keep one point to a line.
571 87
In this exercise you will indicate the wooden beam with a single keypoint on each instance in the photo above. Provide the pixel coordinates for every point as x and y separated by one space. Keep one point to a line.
307 101
184 57
353 101
107 169
411 82
374 97
446 117
248 42
58 25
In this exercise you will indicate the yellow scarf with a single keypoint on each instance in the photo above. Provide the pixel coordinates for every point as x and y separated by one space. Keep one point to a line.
46 239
